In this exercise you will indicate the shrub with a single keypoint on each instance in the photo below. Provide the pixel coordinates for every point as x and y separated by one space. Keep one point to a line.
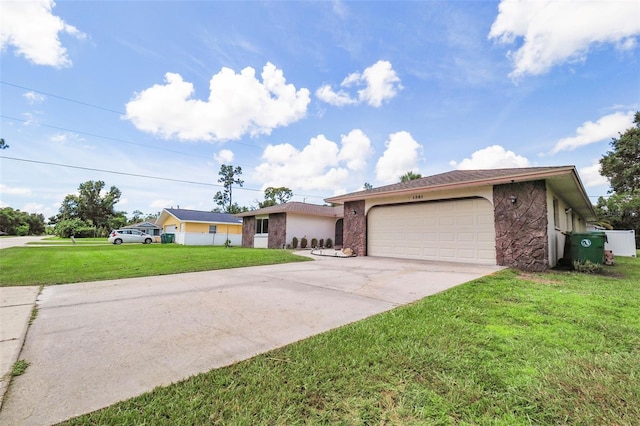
587 267
321 242
303 242
76 227
314 242
294 242
329 243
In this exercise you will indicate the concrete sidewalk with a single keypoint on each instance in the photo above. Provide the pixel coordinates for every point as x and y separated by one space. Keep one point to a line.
94 344
16 305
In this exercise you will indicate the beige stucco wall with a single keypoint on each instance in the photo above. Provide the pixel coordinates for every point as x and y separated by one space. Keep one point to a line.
566 222
481 191
310 226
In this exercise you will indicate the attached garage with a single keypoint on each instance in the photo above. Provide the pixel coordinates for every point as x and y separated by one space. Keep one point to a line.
455 231
510 217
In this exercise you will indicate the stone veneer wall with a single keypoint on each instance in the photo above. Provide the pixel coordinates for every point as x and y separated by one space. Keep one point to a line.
521 228
248 231
355 228
277 230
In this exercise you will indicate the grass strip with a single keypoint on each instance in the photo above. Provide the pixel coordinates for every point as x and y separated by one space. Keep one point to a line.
21 266
508 349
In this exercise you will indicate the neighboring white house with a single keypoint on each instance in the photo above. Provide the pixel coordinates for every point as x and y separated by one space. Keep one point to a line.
276 226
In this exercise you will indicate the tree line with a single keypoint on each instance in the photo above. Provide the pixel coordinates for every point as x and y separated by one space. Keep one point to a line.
16 222
621 165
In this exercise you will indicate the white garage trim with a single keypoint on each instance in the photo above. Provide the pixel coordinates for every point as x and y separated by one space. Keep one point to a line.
453 231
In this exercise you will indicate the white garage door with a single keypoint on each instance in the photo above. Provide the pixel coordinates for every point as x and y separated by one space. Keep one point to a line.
452 231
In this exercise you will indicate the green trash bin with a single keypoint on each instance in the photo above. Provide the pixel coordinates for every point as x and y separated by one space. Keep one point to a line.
588 246
163 238
171 238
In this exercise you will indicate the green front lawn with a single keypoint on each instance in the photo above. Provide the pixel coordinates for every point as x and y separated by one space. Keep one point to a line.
508 349
68 241
71 264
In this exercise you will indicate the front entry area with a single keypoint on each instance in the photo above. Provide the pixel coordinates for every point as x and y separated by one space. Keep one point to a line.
452 231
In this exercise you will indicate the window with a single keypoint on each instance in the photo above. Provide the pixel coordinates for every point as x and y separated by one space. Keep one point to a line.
213 229
262 226
556 214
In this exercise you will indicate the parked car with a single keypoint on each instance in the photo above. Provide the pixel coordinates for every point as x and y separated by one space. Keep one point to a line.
120 236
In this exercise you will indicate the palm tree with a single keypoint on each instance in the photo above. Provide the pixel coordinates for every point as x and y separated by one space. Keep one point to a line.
410 176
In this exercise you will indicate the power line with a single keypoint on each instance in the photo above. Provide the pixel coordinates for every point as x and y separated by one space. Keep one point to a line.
138 175
64 129
62 97
96 107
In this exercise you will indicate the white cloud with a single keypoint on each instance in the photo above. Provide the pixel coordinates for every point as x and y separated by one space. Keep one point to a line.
401 156
238 104
34 208
340 98
162 203
340 9
34 98
491 157
356 148
4 189
605 128
59 138
225 156
591 176
34 31
555 32
321 165
380 81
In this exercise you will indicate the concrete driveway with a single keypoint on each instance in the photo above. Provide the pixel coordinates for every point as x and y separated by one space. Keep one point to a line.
94 344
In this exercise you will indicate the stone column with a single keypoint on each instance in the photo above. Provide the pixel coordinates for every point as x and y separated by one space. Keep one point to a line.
277 230
355 227
520 214
248 231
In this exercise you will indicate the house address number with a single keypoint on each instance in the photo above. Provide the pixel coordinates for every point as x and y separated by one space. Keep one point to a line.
416 197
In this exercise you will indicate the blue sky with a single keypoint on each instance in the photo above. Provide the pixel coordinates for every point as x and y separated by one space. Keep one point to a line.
320 97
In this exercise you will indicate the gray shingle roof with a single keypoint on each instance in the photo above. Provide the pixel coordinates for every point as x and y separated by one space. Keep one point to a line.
298 208
200 216
457 178
143 225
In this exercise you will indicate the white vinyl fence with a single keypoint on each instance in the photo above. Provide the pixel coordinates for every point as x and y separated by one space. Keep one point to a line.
621 243
202 239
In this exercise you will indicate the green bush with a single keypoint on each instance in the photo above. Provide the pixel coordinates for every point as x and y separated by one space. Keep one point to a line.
303 242
329 243
294 242
314 242
76 227
22 230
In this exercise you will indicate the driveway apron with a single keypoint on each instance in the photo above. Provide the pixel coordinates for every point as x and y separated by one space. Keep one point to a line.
94 344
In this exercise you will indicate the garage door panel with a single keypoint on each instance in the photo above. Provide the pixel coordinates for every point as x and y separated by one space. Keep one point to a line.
466 254
466 236
465 221
447 220
461 230
446 236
